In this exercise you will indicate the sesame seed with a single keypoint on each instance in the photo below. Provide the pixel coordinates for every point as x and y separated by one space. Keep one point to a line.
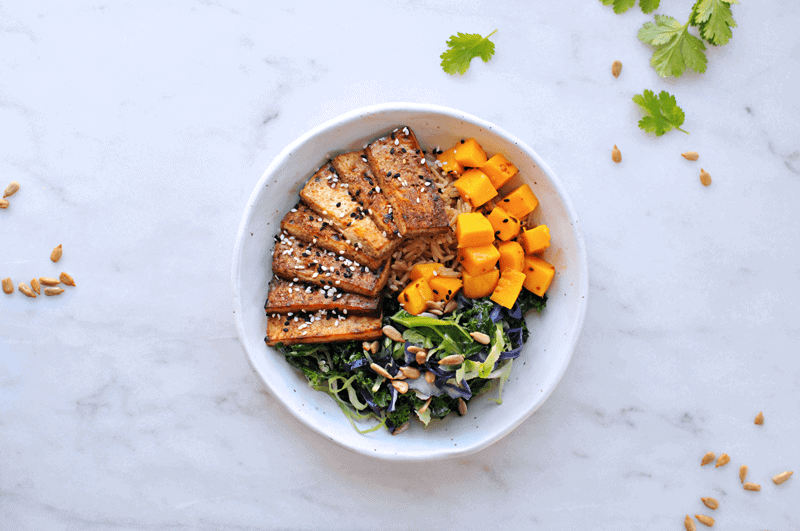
422 161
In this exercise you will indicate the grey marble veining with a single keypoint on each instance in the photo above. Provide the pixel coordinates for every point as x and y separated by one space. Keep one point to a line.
138 131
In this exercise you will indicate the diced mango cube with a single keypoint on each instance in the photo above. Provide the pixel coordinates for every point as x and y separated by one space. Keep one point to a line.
538 275
469 153
473 229
504 224
511 256
414 297
479 286
475 187
445 288
520 202
478 260
424 271
499 170
448 160
508 288
536 239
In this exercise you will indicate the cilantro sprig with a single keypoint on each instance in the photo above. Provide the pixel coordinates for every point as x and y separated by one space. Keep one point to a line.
714 19
620 6
663 113
676 48
463 48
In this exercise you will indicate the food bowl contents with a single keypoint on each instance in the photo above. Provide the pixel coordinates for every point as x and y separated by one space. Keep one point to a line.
401 279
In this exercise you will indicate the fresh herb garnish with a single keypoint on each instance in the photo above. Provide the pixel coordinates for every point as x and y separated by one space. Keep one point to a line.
714 19
676 48
663 112
464 47
620 6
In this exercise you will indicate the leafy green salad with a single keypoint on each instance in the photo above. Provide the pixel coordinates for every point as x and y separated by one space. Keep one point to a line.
435 370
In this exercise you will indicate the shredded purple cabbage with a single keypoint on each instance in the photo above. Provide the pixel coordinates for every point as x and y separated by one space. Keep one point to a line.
497 313
353 365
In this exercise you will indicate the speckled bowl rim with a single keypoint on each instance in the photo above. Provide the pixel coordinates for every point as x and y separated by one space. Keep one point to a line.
435 452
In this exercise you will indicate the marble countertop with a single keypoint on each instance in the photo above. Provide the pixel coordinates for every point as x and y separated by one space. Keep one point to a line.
137 132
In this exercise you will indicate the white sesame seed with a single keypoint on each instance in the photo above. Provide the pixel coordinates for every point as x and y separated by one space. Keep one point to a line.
422 161
378 189
396 142
315 275
336 323
294 210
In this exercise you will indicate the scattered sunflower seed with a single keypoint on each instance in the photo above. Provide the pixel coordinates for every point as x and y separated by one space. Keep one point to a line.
742 473
55 256
26 290
380 370
462 406
11 189
616 68
401 429
426 405
453 359
690 155
374 347
780 478
711 503
688 523
752 486
392 333
50 292
430 377
8 286
616 156
451 306
707 520
421 357
66 279
365 345
410 372
3 203
480 337
723 460
401 386
48 281
710 456
36 287
759 418
705 177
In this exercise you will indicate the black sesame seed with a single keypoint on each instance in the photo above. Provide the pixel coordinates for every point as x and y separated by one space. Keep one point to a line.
339 204
391 151
462 140
285 329
505 220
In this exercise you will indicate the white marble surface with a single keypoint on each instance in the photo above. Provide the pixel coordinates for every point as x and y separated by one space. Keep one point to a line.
138 130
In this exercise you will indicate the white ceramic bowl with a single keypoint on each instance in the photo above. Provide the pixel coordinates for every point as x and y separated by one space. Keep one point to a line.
554 333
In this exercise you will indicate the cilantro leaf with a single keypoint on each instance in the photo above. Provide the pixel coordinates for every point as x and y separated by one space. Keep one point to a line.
664 113
462 48
714 20
620 6
676 48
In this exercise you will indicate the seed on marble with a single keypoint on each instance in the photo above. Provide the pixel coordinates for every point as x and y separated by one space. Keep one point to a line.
3 203
752 486
616 156
11 189
780 478
707 520
55 256
723 460
710 456
711 503
66 279
759 418
705 177
26 290
48 281
50 292
36 287
8 286
688 523
742 473
690 155
616 68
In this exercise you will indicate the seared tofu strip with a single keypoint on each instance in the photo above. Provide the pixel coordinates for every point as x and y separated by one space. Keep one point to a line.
330 199
403 174
322 327
364 188
295 296
306 225
306 262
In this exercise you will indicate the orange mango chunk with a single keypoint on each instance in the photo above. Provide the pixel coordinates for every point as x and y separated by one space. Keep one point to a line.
536 239
478 260
538 275
473 229
469 153
476 287
448 160
414 297
504 224
475 187
445 288
508 288
499 170
424 271
511 256
520 202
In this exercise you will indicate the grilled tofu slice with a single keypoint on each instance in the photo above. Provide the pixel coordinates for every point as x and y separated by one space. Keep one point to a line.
328 196
306 262
294 296
306 225
353 169
400 167
322 327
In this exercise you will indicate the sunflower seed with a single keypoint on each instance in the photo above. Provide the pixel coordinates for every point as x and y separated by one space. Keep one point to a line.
430 377
451 307
711 503
780 478
480 337
410 372
710 456
742 473
402 387
365 345
723 460
690 155
414 349
401 428
3 203
425 406
436 312
66 279
446 272
462 406
48 281
11 189
707 520
50 292
421 357
752 486
616 68
453 359
8 286
616 156
688 523
375 347
433 305
55 256
392 333
380 370
705 177
759 418
26 290
36 287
